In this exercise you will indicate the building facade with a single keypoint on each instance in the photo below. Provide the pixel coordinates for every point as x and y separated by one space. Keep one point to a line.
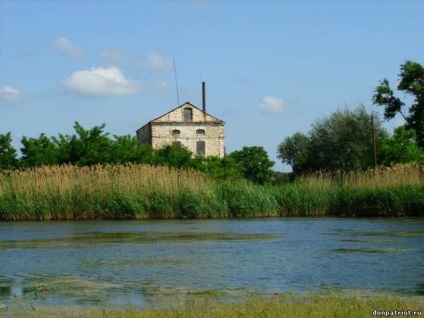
187 126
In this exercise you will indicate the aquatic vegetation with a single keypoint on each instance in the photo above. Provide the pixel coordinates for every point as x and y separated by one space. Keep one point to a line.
369 234
88 239
371 250
146 192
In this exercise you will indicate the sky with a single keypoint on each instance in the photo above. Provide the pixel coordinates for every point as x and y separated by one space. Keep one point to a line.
271 67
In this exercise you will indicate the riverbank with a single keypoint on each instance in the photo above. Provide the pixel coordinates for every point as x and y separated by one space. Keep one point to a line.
296 306
146 192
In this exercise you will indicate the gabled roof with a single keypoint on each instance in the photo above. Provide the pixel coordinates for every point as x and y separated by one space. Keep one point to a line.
185 105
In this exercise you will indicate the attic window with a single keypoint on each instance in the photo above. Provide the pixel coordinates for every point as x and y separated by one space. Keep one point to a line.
200 132
176 132
188 114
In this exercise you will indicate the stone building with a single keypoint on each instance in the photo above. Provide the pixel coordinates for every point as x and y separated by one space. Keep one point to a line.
187 126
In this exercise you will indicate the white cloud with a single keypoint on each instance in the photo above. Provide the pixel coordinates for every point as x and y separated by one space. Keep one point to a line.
101 81
9 94
162 85
153 62
271 104
65 46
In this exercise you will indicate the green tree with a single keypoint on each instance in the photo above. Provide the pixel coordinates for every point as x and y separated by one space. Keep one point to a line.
173 156
220 168
400 148
294 151
8 156
89 147
341 141
254 164
38 151
85 147
62 143
412 84
125 149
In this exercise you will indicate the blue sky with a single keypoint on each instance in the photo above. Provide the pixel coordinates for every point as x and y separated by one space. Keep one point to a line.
271 67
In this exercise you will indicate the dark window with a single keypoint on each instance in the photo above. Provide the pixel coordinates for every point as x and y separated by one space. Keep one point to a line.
200 131
200 148
176 132
177 144
188 114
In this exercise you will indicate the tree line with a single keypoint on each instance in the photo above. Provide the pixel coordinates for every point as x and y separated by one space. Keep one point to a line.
348 140
344 141
95 146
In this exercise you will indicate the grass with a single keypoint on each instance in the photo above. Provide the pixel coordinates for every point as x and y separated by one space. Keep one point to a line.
288 305
146 192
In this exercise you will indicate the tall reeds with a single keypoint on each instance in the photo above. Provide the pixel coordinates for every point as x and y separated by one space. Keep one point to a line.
384 191
130 191
381 177
142 191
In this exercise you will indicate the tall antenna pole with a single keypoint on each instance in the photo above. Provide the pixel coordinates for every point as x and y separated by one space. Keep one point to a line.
374 147
204 97
176 84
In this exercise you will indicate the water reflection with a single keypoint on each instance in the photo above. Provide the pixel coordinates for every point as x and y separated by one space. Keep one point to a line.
177 262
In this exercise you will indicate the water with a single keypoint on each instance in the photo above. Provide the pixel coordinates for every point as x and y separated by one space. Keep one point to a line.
166 263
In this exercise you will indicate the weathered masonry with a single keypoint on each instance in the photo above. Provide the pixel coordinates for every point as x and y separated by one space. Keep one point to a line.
187 126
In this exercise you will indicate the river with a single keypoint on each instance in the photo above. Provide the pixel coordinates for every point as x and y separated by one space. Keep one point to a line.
170 262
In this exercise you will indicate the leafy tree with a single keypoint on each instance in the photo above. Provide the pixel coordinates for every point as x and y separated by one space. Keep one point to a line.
38 151
254 164
90 147
8 157
86 147
220 168
125 149
341 141
411 83
294 151
229 169
147 154
173 156
62 143
400 148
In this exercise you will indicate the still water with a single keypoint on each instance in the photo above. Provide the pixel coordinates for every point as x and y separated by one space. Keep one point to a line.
165 263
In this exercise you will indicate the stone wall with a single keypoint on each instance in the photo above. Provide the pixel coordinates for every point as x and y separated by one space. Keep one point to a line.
173 127
162 134
143 135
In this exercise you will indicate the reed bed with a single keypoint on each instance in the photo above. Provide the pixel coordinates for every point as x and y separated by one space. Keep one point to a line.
141 191
384 191
380 177
99 192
